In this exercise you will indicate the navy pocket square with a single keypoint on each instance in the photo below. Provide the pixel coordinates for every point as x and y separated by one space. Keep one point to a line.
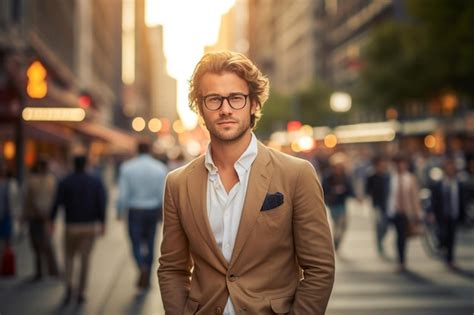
272 201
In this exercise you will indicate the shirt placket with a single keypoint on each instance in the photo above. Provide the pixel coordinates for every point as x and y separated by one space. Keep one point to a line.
227 243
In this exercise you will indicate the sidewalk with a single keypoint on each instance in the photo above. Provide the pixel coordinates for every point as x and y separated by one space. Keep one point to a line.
111 288
365 284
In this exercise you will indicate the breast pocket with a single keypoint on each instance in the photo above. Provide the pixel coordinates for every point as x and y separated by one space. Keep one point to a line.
275 217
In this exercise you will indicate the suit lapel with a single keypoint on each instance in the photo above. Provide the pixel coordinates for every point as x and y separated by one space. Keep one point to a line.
257 188
197 190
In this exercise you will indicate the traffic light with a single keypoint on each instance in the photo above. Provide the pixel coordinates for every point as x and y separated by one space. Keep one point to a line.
37 87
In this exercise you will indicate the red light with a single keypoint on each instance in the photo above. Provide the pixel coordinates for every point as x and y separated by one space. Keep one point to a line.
84 101
293 125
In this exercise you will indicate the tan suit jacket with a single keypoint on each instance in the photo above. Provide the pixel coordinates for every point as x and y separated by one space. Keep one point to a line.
272 250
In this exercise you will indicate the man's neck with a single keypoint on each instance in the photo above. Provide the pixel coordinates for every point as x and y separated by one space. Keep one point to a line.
225 154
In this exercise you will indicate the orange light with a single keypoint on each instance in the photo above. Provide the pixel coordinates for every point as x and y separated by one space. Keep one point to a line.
330 141
430 141
138 124
9 150
165 125
154 125
37 86
178 126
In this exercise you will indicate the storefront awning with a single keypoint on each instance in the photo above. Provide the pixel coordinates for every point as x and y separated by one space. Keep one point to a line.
119 141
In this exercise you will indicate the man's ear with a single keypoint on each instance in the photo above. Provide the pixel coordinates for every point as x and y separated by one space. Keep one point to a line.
253 106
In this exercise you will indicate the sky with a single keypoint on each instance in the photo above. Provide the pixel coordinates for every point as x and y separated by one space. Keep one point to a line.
188 26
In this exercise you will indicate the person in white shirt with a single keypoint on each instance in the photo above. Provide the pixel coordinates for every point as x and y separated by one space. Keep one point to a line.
403 204
242 223
141 185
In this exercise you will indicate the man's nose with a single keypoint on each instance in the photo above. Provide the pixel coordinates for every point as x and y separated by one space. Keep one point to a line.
226 108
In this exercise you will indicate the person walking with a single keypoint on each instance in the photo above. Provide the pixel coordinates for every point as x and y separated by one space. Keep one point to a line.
83 197
404 206
39 197
9 203
448 208
243 222
337 189
141 186
377 188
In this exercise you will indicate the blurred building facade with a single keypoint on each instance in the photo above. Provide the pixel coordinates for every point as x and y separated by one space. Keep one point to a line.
164 87
285 40
149 92
78 45
233 29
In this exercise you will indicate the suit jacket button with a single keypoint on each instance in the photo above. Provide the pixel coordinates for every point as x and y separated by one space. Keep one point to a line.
233 278
218 310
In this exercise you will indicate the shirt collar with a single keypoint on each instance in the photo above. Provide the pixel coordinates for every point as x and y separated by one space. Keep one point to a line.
243 163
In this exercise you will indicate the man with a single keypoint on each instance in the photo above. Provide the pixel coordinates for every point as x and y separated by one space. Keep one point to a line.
141 185
84 199
447 207
243 224
377 187
40 190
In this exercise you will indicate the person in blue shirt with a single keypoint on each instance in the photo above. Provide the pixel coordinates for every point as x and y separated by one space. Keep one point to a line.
141 186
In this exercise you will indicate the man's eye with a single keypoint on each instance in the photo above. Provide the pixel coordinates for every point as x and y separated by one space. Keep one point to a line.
214 99
236 97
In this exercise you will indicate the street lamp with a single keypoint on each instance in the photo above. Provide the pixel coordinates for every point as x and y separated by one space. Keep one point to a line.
340 102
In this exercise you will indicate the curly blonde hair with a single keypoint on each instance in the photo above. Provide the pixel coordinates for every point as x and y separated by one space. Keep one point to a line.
228 61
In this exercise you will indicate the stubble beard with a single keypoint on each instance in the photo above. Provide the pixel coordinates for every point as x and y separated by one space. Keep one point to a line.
223 135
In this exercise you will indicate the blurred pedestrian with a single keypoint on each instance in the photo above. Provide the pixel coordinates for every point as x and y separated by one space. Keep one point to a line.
242 222
40 192
404 206
447 207
141 186
377 188
469 193
83 197
9 195
337 189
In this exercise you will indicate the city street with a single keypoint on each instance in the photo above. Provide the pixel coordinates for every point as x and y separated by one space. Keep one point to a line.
365 283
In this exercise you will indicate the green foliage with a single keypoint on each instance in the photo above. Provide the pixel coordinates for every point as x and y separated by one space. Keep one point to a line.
275 114
310 105
422 57
314 104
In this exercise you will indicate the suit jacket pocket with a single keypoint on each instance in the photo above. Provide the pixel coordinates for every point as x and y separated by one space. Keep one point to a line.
281 305
191 307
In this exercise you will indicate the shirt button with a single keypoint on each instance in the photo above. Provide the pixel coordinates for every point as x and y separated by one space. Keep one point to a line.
226 246
218 310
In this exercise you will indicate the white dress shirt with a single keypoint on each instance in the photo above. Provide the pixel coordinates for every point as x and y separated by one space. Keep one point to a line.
141 183
393 191
225 209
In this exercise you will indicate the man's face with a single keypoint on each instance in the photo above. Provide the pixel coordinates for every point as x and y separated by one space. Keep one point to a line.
226 124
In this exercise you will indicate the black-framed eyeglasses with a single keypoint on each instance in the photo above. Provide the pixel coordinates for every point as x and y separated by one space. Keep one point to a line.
214 101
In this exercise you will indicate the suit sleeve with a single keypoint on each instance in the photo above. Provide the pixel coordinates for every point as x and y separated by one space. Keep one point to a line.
174 272
313 244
